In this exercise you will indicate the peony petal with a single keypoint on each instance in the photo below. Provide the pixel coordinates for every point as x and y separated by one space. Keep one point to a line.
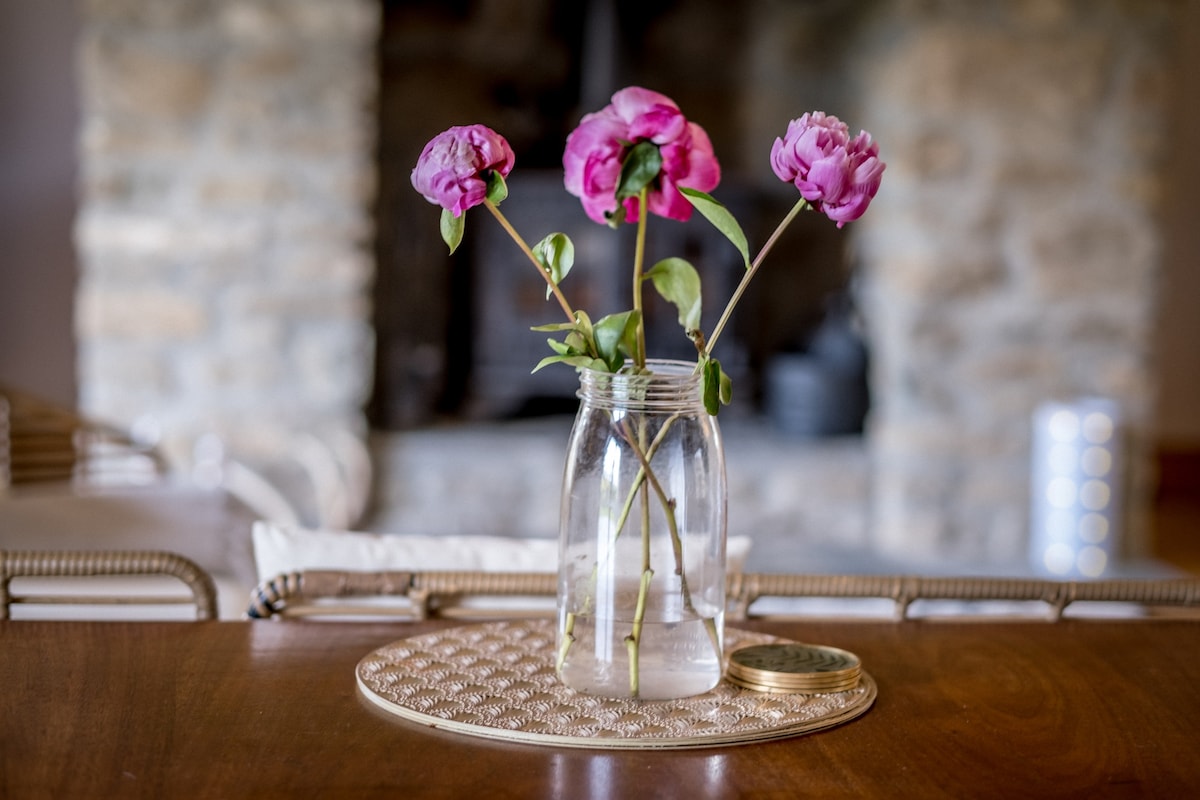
448 170
669 203
591 163
704 171
649 115
597 147
830 174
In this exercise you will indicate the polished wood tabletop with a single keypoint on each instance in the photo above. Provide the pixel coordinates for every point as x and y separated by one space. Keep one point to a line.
271 709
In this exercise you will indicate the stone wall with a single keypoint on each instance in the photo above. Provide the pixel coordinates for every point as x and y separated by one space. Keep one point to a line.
1014 255
1011 258
224 235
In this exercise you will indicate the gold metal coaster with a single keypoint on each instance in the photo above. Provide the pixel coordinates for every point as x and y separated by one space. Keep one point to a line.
782 667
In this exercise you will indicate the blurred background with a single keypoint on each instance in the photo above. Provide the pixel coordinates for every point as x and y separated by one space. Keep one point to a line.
209 234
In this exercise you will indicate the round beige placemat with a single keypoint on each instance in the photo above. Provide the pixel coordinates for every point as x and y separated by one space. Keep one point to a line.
497 680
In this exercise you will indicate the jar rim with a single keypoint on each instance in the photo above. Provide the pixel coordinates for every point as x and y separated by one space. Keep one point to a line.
667 384
666 367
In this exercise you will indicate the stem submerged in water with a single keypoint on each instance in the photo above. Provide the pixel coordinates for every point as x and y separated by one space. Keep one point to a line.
568 638
634 640
638 426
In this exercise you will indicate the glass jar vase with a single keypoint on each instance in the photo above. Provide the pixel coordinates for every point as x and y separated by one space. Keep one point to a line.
641 582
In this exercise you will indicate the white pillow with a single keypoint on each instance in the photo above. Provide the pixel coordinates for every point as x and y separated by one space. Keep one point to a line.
280 549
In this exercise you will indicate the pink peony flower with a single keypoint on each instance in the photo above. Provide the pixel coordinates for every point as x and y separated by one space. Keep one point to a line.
449 172
597 148
838 175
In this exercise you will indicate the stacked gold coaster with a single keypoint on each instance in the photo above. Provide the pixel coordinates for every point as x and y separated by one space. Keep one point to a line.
792 667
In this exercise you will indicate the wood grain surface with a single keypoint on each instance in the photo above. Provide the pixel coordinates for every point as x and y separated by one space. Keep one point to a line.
239 709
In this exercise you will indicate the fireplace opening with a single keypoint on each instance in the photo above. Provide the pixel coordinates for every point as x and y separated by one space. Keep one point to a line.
453 338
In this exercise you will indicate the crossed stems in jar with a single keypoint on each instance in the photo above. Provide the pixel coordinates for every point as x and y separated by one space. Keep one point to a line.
642 483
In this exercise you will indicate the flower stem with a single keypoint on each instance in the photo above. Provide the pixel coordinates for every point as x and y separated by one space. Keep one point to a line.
634 639
749 275
639 256
516 237
568 638
640 478
639 614
668 506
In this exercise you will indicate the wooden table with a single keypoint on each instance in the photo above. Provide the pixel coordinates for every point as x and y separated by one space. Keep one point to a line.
271 709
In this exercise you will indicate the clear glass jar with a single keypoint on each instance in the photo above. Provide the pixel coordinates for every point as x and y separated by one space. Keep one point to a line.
641 582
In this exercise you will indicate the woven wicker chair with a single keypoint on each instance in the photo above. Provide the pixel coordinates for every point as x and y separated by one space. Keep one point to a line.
434 593
415 594
79 564
905 591
41 442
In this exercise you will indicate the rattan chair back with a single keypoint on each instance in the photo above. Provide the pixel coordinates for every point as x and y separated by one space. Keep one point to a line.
433 593
79 564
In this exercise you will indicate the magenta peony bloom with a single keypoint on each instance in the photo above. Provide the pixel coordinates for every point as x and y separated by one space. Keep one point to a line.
838 175
449 171
597 148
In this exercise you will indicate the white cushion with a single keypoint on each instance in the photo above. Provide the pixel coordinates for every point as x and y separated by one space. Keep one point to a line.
280 549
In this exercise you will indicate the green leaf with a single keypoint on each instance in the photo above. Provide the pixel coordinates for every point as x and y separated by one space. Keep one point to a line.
615 337
452 228
573 345
497 188
641 166
555 326
583 324
576 342
556 254
722 220
679 283
579 362
726 388
712 387
717 386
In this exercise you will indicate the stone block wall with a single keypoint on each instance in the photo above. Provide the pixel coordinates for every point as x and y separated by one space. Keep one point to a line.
224 232
1014 255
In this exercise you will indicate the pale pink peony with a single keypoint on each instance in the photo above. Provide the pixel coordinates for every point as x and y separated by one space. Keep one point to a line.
838 175
449 172
596 149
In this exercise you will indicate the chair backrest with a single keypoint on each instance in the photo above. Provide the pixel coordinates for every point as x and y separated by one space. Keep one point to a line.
756 595
405 594
47 564
41 442
422 594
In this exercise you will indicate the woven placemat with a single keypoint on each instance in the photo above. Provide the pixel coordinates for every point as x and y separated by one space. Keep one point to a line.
497 680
